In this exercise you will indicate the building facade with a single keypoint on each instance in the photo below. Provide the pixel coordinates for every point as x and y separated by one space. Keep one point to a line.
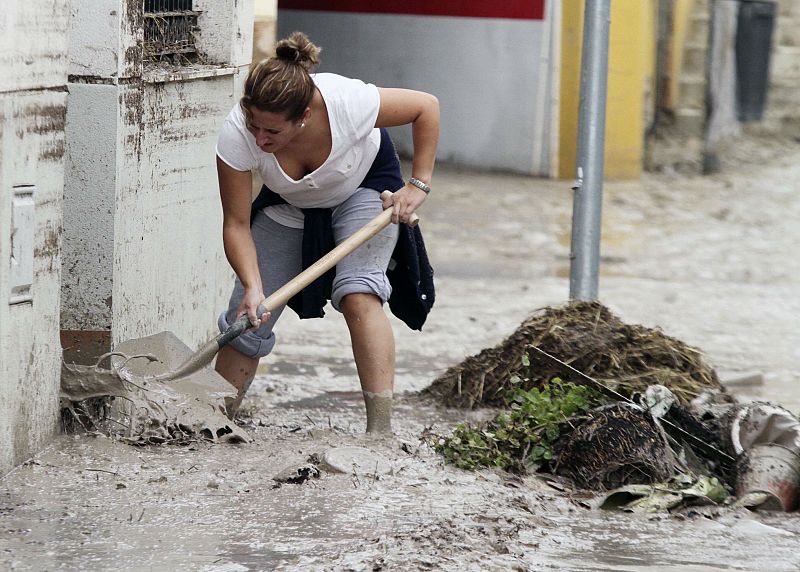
33 96
150 85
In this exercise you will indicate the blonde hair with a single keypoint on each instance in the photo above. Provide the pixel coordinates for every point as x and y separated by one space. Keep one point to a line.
281 83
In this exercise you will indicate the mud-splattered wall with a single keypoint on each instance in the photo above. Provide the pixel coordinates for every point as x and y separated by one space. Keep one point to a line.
33 39
170 271
142 238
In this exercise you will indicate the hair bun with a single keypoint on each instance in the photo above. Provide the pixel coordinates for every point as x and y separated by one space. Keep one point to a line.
298 49
287 53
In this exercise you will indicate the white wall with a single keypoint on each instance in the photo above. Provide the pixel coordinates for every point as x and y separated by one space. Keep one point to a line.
226 32
143 223
33 37
143 248
33 44
493 77
170 271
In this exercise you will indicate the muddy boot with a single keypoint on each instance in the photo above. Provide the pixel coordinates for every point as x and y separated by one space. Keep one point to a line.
238 370
232 404
379 411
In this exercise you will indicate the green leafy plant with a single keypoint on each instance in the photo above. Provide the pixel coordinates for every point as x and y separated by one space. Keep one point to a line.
520 439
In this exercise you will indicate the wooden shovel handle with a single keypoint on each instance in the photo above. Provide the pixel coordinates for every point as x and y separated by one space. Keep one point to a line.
283 294
321 266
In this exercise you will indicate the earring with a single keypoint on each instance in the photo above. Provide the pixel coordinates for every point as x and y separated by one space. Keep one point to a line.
303 124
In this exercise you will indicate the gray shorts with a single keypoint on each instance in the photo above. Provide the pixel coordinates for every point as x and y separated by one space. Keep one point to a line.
279 252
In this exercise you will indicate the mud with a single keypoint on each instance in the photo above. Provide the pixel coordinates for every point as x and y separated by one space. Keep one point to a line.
711 261
79 382
379 411
197 361
144 402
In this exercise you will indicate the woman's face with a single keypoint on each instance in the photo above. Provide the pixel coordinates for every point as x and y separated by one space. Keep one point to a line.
271 130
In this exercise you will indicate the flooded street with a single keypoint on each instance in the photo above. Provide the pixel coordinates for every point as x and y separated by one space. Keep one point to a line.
710 260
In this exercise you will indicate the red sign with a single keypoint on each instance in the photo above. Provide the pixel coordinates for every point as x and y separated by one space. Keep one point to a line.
511 9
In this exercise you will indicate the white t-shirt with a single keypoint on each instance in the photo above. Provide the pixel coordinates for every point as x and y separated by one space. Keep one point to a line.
352 111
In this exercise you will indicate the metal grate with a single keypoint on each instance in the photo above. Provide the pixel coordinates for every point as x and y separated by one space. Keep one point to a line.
169 27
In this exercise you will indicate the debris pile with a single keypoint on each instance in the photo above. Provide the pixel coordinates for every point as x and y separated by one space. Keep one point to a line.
619 444
589 337
629 410
126 401
525 437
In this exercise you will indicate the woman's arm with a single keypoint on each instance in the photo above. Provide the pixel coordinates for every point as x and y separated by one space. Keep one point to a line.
421 110
235 188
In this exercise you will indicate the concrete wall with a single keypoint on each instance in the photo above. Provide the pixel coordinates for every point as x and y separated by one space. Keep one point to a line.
170 271
688 100
142 221
494 70
683 31
33 38
102 40
225 36
783 102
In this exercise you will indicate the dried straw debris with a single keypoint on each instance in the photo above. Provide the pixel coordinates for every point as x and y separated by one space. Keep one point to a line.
590 338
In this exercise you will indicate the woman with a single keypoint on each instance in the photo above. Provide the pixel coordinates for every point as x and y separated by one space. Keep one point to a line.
316 141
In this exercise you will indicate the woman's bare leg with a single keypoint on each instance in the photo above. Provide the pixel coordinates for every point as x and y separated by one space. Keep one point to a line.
374 352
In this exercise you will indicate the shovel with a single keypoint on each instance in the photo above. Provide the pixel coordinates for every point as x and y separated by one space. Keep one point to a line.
206 353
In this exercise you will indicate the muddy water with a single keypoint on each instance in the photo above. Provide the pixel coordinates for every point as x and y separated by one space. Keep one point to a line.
710 261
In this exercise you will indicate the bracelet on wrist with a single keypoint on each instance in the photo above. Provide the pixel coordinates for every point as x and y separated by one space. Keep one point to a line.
420 185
